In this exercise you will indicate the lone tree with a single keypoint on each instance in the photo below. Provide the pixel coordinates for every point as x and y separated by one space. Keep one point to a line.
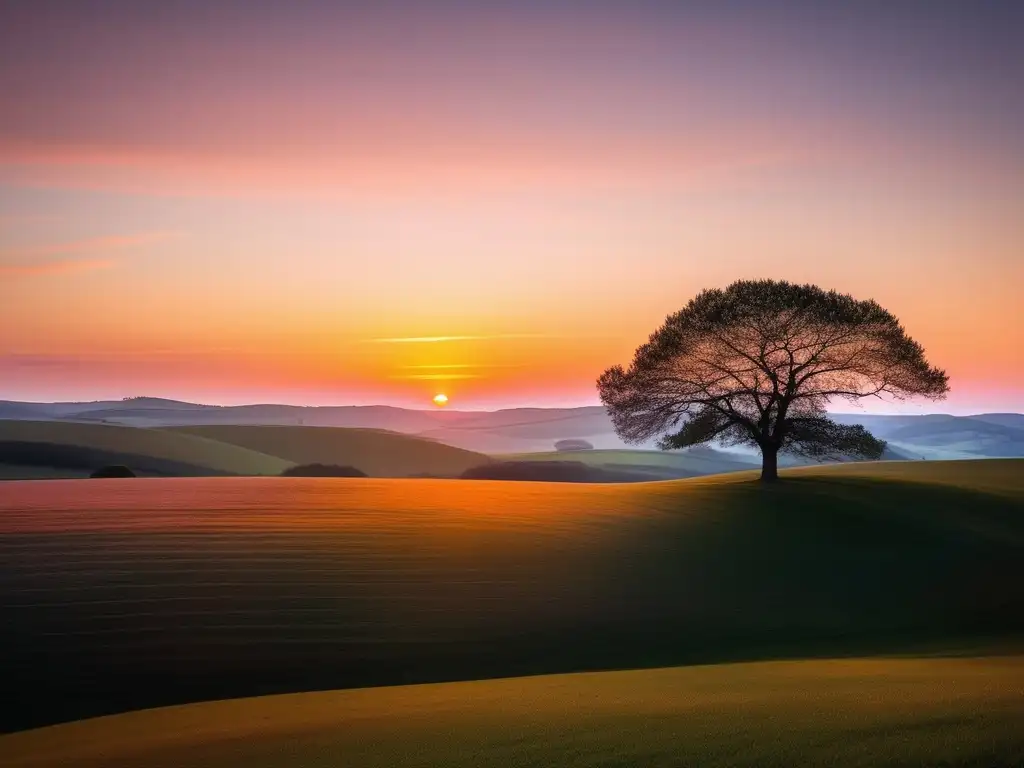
757 363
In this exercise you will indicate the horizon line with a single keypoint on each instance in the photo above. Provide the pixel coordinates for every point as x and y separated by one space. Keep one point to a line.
481 409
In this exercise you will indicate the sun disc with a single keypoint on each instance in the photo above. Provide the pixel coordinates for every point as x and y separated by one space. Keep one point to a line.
440 400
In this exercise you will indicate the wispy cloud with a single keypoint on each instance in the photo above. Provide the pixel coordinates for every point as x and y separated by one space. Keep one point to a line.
455 366
54 267
37 361
443 339
438 376
75 253
87 245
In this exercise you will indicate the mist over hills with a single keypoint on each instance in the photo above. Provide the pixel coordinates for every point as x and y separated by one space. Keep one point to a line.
519 430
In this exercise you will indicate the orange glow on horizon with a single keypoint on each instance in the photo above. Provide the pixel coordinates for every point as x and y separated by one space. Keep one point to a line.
329 207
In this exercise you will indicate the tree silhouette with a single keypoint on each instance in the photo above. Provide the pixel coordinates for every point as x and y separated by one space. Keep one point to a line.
757 363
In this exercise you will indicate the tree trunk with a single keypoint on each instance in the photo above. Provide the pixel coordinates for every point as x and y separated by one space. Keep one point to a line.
769 463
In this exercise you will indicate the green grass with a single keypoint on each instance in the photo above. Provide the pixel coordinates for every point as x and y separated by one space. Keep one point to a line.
154 446
862 712
376 452
122 595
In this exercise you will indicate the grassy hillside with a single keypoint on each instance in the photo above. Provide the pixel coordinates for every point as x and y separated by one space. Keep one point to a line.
125 595
547 423
146 449
662 464
667 465
375 452
861 712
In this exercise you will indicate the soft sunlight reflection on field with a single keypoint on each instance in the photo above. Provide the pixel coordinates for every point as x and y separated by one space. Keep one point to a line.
123 589
301 503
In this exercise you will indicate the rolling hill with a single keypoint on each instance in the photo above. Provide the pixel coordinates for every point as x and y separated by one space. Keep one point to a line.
68 445
521 430
376 452
657 465
670 465
963 435
124 595
1005 419
854 712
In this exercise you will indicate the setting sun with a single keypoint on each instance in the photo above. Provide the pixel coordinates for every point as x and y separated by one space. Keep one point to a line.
440 400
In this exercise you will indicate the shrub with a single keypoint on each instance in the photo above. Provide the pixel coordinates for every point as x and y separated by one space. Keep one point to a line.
112 471
322 470
573 445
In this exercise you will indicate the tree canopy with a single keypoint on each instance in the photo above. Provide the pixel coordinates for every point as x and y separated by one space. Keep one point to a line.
757 363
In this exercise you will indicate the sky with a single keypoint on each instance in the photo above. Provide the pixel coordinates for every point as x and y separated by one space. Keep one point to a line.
331 203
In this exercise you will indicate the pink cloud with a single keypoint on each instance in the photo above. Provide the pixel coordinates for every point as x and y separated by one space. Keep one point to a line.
54 268
81 249
85 245
390 161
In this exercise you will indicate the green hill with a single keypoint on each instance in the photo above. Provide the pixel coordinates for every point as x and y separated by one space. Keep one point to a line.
138 594
376 452
71 447
858 712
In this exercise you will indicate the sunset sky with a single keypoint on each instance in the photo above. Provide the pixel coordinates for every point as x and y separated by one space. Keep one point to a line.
330 203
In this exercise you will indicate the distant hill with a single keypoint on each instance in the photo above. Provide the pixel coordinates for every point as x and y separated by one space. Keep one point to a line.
73 446
670 465
931 428
1005 419
648 465
378 453
963 435
548 423
522 430
9 410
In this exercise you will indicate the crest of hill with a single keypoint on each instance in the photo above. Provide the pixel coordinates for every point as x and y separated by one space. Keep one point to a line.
536 422
162 403
933 428
723 714
378 453
85 445
1015 420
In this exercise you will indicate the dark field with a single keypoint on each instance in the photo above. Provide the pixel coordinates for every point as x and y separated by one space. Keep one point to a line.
124 594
